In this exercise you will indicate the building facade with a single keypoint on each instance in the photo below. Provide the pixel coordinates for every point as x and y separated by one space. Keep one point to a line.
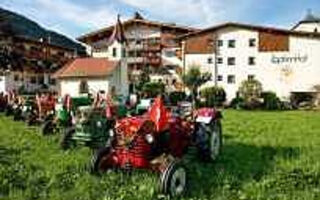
91 76
284 61
150 47
27 64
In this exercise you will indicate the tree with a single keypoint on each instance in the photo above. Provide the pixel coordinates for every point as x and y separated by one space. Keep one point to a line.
152 89
193 79
214 96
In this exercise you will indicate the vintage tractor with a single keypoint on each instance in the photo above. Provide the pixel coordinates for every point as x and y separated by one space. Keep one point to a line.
158 140
92 125
42 109
24 106
11 103
65 112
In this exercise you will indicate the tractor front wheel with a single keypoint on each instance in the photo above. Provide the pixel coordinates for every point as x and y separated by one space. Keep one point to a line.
173 180
101 160
67 137
48 127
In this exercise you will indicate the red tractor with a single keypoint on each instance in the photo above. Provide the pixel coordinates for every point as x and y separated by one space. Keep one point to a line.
158 140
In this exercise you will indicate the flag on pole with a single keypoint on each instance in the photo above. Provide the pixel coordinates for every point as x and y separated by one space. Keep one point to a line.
158 114
118 33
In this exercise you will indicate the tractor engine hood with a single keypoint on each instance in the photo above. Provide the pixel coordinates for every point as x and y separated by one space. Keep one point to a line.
131 125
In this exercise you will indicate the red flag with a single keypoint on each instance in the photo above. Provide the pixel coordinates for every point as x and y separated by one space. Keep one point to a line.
109 107
158 114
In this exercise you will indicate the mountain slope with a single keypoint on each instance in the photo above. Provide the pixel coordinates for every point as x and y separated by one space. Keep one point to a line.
18 25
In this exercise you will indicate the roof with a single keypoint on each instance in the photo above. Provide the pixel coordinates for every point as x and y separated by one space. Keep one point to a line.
87 67
309 18
137 20
251 27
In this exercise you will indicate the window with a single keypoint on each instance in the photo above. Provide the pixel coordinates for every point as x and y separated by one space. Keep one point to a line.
231 61
252 61
52 81
114 52
232 44
84 88
251 77
252 42
210 61
219 60
231 79
316 30
33 80
220 43
41 80
220 78
16 77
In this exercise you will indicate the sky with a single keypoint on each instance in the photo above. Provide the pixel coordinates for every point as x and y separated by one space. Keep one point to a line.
77 17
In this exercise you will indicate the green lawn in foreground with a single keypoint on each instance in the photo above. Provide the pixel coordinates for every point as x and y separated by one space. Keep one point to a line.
266 155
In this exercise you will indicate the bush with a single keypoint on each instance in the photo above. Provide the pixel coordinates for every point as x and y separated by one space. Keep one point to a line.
271 101
250 91
237 103
214 96
152 89
176 97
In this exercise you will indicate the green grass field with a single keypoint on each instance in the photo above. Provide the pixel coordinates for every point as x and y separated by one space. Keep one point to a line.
266 155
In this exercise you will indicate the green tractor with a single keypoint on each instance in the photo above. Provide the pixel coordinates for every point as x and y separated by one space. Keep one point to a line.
92 129
94 124
64 117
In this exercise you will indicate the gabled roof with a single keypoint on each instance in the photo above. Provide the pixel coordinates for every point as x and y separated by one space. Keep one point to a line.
136 21
251 27
87 68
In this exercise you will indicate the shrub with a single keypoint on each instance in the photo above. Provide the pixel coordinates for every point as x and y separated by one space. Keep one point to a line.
250 91
176 97
271 101
152 89
214 96
237 103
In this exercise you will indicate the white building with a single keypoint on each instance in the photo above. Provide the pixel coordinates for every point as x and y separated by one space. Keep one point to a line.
284 61
92 75
150 47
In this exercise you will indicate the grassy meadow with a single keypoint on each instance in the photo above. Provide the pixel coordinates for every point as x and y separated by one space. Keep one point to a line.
266 156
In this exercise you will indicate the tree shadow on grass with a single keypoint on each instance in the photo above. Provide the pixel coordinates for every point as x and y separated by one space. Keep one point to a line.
238 164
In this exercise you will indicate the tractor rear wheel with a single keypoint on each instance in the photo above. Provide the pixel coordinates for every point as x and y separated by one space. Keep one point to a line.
215 140
48 127
209 140
173 180
17 114
67 137
101 160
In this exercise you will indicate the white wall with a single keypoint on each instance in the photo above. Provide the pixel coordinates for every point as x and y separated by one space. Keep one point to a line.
309 27
200 60
108 53
71 86
280 77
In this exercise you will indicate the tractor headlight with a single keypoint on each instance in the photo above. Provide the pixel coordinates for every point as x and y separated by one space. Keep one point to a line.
111 133
149 138
99 124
